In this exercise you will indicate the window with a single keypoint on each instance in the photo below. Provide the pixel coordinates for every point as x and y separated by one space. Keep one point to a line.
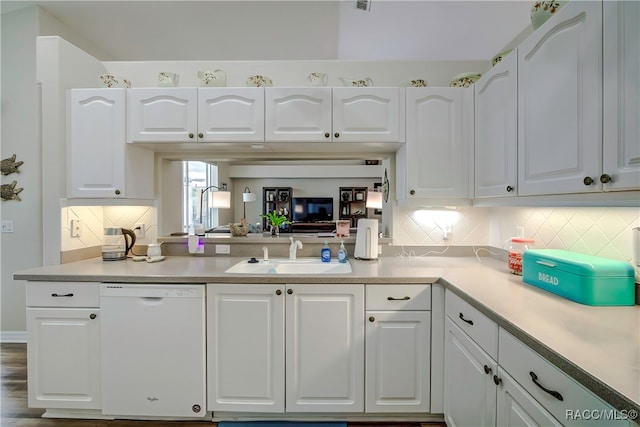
196 177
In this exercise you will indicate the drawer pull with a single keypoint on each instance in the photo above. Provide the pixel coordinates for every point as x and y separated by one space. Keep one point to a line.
487 370
398 299
461 316
553 393
61 296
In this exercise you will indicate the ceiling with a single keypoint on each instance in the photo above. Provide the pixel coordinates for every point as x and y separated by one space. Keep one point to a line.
290 29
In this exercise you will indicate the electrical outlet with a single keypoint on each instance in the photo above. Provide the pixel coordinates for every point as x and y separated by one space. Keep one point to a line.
448 228
138 228
519 231
7 226
76 228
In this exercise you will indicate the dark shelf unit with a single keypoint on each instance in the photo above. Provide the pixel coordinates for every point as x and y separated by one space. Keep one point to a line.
277 199
353 201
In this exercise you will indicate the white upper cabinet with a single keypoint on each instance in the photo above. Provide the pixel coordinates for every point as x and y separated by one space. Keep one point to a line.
559 103
434 161
195 115
621 145
163 115
231 114
100 164
368 114
298 114
496 130
335 114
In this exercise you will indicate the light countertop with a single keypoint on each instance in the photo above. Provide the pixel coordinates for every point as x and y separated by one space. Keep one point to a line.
598 346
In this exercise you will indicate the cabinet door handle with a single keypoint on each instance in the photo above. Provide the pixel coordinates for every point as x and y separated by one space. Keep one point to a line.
327 135
398 299
278 292
605 178
92 316
200 135
191 135
461 316
587 180
553 393
336 135
497 380
412 192
289 291
62 296
117 192
487 370
372 319
509 188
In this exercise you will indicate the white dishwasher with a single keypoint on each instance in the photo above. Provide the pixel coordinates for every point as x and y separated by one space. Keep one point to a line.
153 347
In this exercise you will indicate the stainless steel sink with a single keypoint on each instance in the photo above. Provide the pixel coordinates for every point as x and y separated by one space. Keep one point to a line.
286 266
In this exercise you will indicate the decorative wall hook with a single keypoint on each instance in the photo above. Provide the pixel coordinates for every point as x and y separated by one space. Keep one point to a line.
10 192
9 165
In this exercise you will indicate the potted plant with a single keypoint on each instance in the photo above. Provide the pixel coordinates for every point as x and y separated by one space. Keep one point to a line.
276 221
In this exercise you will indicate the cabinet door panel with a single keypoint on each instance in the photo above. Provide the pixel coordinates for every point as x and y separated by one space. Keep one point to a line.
96 147
231 114
245 348
368 115
398 361
469 391
162 115
436 154
621 149
298 114
63 358
559 103
496 130
325 348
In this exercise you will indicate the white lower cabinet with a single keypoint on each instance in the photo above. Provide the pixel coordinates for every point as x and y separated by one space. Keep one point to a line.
469 390
317 329
398 344
63 355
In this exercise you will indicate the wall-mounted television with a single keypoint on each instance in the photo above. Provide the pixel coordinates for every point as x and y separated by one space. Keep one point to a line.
312 209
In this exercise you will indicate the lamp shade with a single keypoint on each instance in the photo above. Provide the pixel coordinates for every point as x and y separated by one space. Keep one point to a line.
220 199
248 197
374 200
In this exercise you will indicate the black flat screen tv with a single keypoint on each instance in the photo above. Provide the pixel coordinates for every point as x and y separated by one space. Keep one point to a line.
312 209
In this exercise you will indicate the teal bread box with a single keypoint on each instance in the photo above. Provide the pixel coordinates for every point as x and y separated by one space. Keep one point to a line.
582 278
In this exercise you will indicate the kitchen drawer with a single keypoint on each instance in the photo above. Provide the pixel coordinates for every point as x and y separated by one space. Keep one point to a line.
479 327
398 297
63 294
521 362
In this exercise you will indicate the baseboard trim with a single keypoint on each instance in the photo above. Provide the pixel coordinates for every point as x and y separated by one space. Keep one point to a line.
13 337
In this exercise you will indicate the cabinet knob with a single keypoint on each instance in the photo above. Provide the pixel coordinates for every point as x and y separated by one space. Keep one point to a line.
92 316
497 380
327 134
191 135
117 192
372 319
605 178
509 188
587 180
278 292
289 291
201 135
336 135
412 192
487 370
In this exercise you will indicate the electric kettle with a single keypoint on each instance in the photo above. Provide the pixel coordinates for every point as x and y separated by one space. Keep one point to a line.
118 242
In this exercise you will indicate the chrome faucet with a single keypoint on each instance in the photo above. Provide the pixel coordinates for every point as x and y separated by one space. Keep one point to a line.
293 247
265 253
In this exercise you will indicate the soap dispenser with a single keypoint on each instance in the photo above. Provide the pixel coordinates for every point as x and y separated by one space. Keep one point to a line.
342 253
325 252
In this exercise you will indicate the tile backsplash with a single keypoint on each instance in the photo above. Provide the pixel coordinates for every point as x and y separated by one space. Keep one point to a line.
596 231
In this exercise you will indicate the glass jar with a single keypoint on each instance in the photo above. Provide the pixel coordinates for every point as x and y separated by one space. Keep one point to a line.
517 247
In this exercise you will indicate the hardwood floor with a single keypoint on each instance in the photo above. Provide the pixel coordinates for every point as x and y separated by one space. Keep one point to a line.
15 413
